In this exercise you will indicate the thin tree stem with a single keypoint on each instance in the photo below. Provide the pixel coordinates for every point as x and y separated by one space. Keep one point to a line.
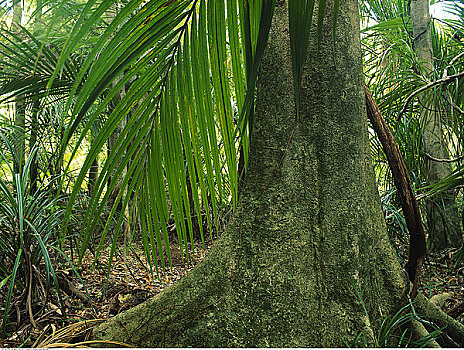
445 80
417 245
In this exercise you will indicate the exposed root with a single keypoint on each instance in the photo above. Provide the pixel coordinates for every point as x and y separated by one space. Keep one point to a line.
162 320
440 299
452 330
419 332
65 336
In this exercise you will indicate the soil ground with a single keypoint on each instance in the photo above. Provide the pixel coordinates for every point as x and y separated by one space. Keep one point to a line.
130 283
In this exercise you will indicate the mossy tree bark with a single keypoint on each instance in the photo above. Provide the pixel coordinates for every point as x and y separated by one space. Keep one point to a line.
308 225
443 219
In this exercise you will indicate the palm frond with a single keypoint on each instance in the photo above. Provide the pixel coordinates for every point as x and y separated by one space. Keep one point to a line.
175 81
177 113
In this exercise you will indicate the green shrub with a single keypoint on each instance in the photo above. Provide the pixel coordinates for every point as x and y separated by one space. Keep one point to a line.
29 223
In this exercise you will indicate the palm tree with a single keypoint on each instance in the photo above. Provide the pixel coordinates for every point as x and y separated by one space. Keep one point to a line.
281 257
152 147
20 108
306 254
31 206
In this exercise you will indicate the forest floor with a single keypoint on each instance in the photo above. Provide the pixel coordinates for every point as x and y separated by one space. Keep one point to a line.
130 283
93 297
441 276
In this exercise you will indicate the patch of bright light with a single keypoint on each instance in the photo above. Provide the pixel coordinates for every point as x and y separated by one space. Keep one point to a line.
438 10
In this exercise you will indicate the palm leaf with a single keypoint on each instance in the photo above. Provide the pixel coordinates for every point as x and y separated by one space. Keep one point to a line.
185 68
153 43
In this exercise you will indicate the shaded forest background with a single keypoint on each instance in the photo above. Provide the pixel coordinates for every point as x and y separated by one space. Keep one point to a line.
124 137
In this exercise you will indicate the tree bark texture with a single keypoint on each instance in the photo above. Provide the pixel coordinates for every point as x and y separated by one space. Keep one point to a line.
417 242
442 215
307 228
20 141
33 142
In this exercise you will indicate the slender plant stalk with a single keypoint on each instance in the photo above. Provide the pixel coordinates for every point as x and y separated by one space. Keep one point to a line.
417 246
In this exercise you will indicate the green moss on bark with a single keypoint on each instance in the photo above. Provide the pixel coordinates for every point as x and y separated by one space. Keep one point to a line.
308 224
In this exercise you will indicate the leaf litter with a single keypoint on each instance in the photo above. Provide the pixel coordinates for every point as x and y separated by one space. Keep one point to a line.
130 283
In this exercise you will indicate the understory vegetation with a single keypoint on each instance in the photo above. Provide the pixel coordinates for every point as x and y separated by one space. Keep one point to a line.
124 138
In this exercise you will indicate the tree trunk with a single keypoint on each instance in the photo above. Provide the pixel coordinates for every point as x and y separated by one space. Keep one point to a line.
281 275
34 172
20 104
20 141
93 174
442 214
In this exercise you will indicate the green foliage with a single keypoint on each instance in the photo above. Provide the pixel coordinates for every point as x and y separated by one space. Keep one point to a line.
394 330
175 82
169 79
151 44
394 73
29 223
27 65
